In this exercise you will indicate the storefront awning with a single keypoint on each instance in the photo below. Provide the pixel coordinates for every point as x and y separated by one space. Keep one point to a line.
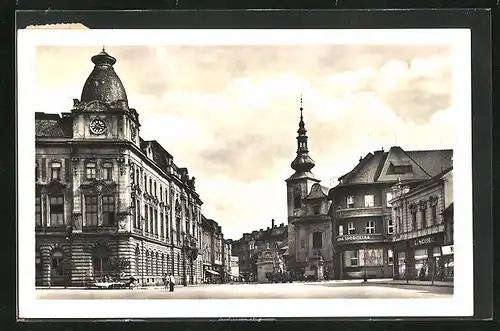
212 272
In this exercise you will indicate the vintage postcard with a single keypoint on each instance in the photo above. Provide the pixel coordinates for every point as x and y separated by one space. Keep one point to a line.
199 173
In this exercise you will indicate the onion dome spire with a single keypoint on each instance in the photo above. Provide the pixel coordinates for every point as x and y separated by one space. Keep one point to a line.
302 162
103 84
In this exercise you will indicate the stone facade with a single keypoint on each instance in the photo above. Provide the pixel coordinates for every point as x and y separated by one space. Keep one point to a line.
106 198
420 230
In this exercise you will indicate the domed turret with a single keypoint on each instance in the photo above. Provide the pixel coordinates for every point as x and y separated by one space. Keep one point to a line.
103 84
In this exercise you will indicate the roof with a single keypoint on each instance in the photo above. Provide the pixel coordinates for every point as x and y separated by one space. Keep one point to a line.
317 191
53 125
375 167
432 181
103 84
449 209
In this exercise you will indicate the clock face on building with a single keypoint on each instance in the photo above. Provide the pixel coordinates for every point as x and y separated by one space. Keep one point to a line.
97 126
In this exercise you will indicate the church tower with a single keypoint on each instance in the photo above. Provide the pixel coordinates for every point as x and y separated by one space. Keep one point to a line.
299 184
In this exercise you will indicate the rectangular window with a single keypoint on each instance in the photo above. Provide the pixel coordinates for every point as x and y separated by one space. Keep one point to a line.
151 221
155 224
137 214
90 171
38 211
146 218
370 227
351 258
371 257
161 193
341 230
187 227
107 171
434 214
388 196
167 227
57 210
56 171
91 210
390 226
145 183
155 189
390 256
162 225
316 209
369 200
423 218
36 171
350 228
108 210
413 220
350 202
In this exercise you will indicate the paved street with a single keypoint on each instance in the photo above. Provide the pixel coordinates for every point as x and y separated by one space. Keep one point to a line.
323 290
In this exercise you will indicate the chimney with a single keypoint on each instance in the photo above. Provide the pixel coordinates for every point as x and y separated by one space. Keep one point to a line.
272 222
360 158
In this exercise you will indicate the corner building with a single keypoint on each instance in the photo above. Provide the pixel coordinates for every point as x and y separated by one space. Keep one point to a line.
362 212
105 197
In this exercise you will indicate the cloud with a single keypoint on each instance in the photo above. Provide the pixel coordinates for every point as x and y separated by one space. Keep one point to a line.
230 113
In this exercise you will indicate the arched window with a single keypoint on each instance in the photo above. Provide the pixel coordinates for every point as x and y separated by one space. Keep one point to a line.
137 260
297 202
317 240
100 260
57 267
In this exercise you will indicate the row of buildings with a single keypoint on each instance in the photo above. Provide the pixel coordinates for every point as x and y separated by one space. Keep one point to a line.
390 216
108 203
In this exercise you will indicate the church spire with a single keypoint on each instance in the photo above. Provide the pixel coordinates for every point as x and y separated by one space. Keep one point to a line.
303 162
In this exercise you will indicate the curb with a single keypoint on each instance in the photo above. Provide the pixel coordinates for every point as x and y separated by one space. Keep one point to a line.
414 284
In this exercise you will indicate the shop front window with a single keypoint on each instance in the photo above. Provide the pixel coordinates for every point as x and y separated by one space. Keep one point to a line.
402 264
421 263
371 257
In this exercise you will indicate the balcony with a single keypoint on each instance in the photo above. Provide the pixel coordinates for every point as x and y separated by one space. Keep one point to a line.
359 212
361 238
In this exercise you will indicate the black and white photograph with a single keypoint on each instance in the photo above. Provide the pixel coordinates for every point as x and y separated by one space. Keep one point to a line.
200 173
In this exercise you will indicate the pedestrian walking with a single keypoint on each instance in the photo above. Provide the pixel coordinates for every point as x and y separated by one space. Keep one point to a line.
171 281
165 280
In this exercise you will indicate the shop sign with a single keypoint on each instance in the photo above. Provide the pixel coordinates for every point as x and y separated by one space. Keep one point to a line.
423 241
354 237
448 250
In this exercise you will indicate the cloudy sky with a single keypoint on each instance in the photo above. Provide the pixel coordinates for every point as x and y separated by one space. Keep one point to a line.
230 113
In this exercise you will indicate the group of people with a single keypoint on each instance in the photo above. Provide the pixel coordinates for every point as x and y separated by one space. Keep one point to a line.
169 282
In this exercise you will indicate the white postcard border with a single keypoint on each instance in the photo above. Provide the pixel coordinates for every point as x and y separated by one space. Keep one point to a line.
460 305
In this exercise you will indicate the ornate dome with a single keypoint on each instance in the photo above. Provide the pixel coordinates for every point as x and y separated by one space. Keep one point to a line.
103 84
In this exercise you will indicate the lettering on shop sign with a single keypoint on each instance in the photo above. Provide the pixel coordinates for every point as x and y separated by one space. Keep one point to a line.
423 241
354 237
